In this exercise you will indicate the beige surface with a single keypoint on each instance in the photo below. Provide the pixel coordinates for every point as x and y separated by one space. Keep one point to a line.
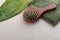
17 29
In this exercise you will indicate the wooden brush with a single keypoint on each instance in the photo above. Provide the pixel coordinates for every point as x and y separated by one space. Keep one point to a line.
32 14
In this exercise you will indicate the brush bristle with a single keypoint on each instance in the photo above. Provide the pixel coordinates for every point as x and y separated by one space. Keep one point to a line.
30 14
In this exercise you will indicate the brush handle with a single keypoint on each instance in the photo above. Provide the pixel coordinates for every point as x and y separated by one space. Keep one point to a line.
47 8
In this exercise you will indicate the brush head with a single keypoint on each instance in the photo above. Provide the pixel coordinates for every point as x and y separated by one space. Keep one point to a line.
30 14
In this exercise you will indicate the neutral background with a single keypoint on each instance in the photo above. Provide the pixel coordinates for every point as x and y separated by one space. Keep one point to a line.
17 29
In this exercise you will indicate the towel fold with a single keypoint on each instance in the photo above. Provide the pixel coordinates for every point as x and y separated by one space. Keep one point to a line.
52 16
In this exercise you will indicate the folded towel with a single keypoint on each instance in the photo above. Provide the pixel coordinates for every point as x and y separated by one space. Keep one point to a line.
52 16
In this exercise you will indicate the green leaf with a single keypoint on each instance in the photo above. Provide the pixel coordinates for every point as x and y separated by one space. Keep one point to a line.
12 7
